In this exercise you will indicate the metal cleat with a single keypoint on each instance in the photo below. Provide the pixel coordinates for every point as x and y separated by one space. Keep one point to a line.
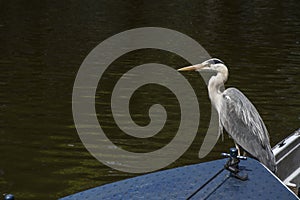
232 164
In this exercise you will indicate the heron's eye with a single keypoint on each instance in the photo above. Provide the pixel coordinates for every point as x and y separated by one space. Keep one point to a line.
216 61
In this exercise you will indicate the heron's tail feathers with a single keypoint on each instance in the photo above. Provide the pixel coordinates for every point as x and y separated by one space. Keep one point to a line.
268 159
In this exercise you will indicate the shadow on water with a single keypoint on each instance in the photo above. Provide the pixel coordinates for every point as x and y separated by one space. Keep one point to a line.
44 43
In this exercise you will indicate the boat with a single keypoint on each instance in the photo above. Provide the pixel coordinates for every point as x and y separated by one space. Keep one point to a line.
287 154
233 177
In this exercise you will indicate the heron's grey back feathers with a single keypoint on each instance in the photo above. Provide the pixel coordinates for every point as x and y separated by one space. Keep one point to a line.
242 121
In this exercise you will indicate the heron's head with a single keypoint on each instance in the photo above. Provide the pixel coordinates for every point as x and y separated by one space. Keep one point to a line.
211 64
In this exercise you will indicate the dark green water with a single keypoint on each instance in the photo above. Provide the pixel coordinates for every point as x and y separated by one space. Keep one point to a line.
43 44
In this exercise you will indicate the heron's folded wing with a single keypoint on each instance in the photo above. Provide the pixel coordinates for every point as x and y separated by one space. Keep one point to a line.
241 119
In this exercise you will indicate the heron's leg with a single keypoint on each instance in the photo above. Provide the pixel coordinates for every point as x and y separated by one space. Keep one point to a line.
238 148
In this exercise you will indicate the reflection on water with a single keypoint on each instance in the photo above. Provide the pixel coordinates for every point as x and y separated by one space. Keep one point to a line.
43 45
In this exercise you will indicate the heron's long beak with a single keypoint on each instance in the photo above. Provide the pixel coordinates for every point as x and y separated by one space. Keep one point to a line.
192 68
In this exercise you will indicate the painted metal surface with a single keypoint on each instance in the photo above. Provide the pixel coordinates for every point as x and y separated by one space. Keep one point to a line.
201 181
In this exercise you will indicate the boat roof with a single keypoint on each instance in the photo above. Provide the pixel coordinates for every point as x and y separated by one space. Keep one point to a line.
207 180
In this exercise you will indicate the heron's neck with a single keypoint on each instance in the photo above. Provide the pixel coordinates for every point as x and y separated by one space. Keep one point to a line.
216 87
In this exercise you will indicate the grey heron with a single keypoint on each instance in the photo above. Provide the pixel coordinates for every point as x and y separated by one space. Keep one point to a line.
237 115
